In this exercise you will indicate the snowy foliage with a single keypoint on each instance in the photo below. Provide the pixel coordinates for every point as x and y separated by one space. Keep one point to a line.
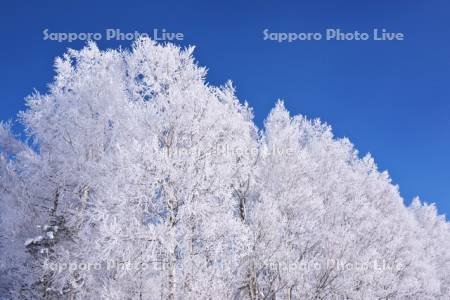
139 180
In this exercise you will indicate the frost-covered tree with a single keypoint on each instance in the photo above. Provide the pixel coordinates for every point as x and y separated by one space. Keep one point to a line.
344 231
138 180
139 162
434 232
19 214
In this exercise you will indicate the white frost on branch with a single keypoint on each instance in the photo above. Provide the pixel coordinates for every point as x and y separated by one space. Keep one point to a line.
149 183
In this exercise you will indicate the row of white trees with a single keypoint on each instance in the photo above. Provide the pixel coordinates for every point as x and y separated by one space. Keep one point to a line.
139 180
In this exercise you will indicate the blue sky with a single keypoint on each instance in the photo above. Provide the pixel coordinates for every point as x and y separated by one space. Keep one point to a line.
390 98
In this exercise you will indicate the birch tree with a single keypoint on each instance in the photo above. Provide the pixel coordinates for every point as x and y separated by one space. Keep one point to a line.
136 179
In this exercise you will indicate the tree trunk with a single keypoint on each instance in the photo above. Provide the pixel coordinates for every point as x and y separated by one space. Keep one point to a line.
172 253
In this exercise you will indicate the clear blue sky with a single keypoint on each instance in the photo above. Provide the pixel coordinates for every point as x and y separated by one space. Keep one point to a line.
390 98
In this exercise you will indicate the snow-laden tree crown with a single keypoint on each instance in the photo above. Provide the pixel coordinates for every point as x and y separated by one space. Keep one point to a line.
138 180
